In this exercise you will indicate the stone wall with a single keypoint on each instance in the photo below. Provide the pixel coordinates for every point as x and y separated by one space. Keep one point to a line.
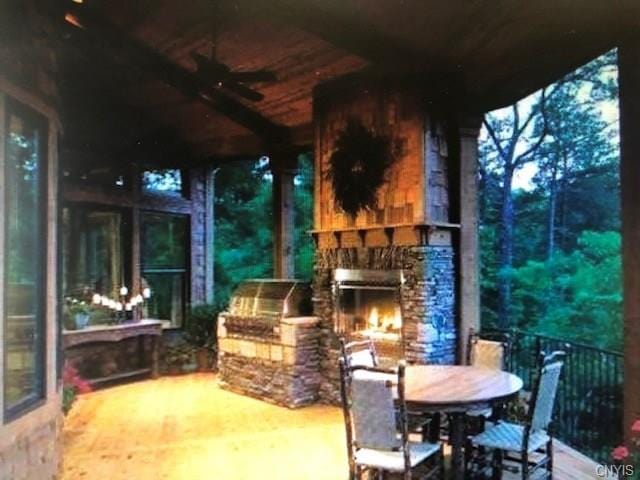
33 453
30 444
198 194
427 295
282 369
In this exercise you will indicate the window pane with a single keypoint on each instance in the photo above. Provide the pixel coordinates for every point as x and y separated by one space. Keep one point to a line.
166 181
165 241
24 275
93 252
167 299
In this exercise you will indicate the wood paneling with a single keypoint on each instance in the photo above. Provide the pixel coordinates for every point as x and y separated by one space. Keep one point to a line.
477 56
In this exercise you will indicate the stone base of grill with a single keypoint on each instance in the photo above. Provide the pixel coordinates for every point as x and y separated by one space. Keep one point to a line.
282 369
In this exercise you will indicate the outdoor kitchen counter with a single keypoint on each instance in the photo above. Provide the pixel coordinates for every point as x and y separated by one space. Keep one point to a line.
282 366
75 339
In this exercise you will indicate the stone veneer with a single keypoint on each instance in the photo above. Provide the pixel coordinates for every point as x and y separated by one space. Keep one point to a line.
283 368
427 295
34 453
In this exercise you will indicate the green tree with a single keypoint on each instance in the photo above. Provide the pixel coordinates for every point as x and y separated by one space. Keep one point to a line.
244 223
574 295
528 235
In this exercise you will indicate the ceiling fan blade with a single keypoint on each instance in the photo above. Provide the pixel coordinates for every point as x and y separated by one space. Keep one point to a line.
209 67
255 76
244 92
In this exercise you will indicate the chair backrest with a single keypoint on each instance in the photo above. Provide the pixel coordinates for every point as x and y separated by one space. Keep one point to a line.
373 413
545 389
488 352
361 353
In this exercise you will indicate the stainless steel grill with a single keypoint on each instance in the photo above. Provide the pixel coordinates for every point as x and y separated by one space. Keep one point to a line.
257 306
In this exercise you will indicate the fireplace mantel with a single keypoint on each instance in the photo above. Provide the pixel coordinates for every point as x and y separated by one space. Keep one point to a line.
402 234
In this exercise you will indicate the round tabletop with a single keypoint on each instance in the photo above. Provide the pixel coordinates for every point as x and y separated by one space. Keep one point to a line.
458 387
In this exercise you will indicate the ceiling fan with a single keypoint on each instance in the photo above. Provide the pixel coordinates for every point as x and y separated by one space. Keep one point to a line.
221 76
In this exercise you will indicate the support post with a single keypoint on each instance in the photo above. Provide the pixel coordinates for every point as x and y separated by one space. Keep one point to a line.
629 74
210 192
136 232
283 168
469 261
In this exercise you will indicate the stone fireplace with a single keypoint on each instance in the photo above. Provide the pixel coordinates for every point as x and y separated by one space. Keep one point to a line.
368 305
389 272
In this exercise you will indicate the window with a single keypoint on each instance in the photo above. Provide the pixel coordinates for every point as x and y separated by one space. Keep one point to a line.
95 254
24 269
94 250
165 182
165 253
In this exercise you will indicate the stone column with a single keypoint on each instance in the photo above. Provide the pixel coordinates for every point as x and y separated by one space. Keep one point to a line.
210 195
283 168
629 64
469 221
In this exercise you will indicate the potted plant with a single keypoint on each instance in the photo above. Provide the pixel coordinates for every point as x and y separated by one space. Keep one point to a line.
200 332
176 357
79 314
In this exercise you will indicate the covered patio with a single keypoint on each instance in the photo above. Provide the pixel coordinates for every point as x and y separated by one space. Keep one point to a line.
219 433
115 118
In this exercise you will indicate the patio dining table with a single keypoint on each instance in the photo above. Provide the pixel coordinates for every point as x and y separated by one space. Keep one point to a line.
455 390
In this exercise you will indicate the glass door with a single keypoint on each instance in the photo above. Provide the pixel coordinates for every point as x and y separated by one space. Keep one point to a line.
165 254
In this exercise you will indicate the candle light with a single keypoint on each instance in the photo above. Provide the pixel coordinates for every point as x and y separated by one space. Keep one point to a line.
119 307
128 307
104 301
146 292
124 290
97 299
139 298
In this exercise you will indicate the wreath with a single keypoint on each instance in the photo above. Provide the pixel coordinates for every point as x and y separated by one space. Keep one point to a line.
357 167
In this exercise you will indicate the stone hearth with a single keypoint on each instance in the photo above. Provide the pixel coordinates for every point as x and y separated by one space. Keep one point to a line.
427 296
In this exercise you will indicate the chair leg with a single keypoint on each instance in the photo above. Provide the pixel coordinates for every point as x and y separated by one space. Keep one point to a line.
468 457
496 470
525 465
434 428
550 457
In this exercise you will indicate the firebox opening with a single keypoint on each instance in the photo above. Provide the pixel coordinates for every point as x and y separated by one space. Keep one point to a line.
368 307
371 313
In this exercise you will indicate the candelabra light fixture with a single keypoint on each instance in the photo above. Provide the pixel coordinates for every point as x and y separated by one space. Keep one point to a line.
125 308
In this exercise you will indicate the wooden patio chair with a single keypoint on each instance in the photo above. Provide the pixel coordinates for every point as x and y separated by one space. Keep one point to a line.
528 444
362 353
374 441
487 351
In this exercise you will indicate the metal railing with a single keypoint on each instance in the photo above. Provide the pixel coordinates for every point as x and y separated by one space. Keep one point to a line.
588 413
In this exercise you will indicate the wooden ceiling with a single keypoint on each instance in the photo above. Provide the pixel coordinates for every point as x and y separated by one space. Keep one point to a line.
137 56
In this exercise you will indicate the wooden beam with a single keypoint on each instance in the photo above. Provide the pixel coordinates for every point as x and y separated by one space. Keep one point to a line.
92 29
469 246
629 68
283 167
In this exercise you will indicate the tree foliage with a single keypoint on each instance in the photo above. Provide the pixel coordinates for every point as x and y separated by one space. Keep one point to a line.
547 247
244 223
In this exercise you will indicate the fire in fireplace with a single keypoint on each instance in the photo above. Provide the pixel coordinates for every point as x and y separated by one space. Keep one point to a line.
368 305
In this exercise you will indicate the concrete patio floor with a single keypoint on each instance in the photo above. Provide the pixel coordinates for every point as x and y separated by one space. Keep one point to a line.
187 428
